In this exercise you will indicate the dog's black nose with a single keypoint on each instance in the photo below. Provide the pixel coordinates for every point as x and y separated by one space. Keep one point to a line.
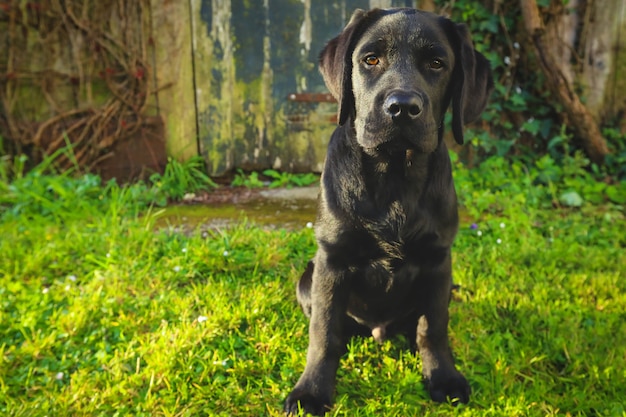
401 104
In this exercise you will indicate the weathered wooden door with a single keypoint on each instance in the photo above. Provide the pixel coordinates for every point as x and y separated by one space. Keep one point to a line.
260 99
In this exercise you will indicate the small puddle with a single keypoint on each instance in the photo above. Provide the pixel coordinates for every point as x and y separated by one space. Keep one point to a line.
274 209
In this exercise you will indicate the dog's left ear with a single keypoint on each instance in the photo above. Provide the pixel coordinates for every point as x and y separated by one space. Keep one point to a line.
336 60
474 83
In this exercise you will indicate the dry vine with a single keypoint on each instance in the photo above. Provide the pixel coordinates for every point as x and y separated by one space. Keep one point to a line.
72 71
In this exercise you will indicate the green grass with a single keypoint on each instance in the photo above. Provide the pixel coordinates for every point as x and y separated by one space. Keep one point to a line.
101 315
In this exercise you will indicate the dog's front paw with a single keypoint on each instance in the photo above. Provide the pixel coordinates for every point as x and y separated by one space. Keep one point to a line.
449 387
300 399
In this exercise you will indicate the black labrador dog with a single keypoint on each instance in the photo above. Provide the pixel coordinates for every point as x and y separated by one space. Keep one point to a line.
387 212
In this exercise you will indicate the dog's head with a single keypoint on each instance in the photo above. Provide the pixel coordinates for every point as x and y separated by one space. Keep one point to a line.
394 73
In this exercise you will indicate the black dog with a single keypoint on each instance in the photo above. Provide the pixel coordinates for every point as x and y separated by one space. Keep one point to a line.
388 210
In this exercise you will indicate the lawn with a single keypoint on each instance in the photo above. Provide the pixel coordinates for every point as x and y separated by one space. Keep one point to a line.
103 314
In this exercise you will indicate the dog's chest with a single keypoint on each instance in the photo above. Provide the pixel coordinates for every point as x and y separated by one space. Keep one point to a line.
383 291
405 241
395 226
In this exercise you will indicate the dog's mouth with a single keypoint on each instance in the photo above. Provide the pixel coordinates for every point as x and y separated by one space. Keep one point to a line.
391 139
389 147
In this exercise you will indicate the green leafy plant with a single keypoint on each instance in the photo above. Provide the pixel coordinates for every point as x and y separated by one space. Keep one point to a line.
43 190
181 178
276 179
615 164
287 179
251 180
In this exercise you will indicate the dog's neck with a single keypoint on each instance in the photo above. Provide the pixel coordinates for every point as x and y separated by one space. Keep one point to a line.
388 176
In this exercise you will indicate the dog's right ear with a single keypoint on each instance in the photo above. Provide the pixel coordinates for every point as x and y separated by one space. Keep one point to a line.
336 61
474 83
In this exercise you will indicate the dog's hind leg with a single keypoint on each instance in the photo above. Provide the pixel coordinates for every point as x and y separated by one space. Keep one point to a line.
303 293
303 289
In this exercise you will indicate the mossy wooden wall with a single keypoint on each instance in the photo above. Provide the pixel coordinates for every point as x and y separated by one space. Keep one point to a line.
248 58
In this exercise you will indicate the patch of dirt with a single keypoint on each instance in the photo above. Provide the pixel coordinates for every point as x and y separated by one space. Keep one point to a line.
242 195
223 195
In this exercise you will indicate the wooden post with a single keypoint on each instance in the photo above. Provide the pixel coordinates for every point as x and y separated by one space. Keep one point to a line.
171 34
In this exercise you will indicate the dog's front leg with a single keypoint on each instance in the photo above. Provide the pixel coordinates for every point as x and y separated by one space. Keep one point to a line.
442 378
315 388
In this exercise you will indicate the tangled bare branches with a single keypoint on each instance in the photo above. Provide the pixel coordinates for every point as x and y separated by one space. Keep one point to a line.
73 71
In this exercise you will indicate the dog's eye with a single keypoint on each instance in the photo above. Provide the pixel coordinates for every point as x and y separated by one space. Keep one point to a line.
372 60
435 64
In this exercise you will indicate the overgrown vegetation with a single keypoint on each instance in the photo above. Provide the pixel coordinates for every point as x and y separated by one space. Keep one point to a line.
101 314
46 191
521 122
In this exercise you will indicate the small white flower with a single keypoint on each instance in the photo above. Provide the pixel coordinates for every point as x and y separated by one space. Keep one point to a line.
518 90
479 233
309 225
225 253
72 278
202 319
499 241
59 376
507 60
184 250
177 268
516 45
502 225
108 255
67 288
45 290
